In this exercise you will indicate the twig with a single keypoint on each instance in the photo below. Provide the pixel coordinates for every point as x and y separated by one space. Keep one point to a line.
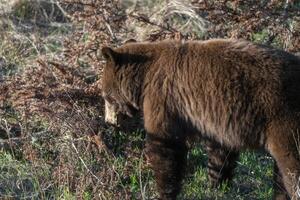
146 20
85 166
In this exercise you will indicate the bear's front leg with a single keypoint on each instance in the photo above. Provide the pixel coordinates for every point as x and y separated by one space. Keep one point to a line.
221 163
167 157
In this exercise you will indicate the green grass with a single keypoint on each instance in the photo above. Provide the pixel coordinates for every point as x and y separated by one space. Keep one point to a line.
253 179
263 37
19 179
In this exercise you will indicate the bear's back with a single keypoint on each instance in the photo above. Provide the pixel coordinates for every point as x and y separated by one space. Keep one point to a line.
226 68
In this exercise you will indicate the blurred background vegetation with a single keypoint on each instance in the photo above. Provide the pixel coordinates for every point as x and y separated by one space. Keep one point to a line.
54 143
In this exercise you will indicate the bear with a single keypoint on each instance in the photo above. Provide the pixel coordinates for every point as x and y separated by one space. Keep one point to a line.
233 94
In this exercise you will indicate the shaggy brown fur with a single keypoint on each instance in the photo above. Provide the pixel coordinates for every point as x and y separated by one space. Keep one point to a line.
235 94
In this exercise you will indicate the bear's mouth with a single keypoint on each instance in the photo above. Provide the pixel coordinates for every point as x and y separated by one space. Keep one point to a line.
123 108
128 110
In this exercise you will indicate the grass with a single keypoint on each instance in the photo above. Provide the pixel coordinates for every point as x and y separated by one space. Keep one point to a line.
253 179
20 179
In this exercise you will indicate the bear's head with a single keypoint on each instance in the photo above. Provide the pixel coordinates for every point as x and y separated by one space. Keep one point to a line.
123 78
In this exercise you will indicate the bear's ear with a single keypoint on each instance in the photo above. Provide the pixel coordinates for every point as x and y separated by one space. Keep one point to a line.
109 54
130 41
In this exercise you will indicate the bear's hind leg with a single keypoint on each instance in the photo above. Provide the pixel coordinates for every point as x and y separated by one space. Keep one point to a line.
289 169
221 163
279 190
283 146
167 158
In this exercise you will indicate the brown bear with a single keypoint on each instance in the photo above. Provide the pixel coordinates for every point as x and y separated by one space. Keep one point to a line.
234 94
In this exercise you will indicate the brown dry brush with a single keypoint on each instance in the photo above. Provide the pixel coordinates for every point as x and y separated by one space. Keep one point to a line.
63 95
67 96
240 19
62 101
